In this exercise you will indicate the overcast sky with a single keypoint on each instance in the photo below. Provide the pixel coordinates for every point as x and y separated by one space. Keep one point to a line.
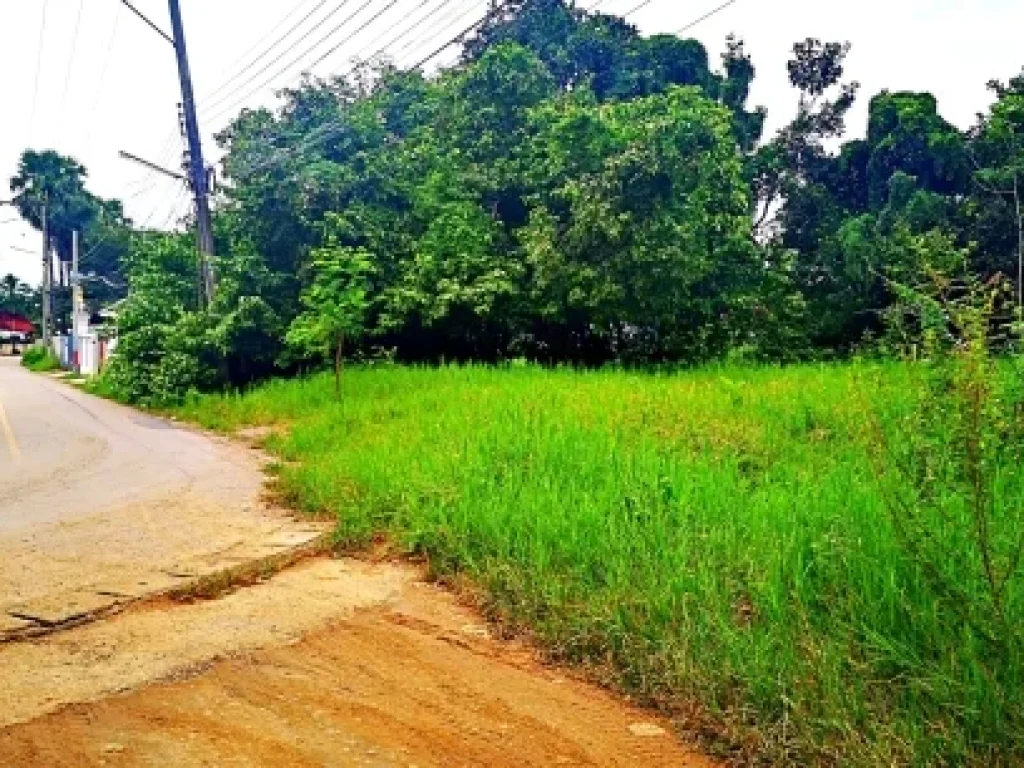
94 79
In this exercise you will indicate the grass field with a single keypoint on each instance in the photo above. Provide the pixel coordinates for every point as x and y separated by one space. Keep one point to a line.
716 542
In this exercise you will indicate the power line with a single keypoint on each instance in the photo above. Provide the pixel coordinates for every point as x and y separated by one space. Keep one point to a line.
219 89
706 16
430 34
165 153
635 8
324 132
462 35
361 29
149 23
71 57
365 25
103 73
39 61
338 8
414 23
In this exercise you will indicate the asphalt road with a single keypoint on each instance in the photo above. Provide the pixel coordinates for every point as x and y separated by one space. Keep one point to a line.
99 503
65 454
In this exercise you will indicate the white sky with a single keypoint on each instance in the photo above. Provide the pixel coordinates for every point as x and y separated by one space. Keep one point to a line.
113 85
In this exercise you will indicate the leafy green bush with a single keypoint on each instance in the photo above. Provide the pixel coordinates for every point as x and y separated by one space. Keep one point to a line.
164 347
40 360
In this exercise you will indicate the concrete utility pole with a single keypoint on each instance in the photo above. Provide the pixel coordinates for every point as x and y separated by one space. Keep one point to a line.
1020 241
47 279
197 168
76 300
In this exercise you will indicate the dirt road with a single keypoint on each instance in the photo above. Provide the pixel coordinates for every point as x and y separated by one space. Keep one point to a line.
332 662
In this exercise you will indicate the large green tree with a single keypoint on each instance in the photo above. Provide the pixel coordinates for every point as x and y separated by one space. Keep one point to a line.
56 183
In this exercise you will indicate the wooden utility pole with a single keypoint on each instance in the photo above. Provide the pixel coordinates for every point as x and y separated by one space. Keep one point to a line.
197 168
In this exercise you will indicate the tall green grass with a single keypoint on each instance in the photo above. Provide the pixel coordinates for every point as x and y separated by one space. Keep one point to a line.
715 541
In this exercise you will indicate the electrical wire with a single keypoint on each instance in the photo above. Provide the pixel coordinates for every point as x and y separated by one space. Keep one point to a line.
266 52
328 130
334 11
71 57
462 35
706 16
103 73
431 33
635 8
361 29
324 133
414 23
39 62
308 67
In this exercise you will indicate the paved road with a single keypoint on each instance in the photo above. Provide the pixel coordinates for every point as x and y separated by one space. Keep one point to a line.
66 455
101 502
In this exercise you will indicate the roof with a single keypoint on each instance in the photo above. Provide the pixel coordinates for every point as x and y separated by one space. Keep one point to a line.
15 323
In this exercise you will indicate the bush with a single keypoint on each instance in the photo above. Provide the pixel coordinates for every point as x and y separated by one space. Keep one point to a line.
40 360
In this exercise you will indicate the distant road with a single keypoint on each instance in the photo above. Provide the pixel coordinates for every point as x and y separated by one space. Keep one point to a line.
100 503
64 454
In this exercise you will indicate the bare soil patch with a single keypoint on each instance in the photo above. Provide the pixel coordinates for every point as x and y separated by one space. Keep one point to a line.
335 662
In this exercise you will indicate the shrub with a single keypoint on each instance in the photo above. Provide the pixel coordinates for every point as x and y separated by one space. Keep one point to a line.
40 360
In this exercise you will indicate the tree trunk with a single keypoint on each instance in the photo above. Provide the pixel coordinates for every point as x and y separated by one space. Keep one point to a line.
339 364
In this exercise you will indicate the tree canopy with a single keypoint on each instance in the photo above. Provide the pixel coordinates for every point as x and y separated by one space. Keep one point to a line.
572 192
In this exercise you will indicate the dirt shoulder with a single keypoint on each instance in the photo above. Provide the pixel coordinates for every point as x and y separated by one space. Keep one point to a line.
334 662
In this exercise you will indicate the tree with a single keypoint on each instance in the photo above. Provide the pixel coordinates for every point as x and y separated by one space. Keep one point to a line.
164 347
641 231
19 298
797 157
58 182
997 150
907 134
10 285
334 305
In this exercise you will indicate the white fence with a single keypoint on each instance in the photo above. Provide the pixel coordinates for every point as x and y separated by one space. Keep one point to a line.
86 354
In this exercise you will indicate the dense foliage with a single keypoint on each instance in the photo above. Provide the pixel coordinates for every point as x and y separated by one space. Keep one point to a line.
51 183
571 191
19 298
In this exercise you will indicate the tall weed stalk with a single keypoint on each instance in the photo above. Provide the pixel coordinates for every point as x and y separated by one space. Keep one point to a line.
948 459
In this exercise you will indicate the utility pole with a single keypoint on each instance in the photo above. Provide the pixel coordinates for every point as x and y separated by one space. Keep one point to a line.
76 302
47 279
1020 241
197 168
